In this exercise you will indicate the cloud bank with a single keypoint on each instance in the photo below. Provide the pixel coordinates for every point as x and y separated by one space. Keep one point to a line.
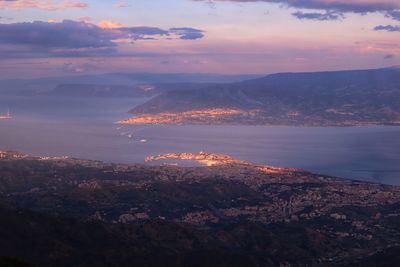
356 6
334 8
73 38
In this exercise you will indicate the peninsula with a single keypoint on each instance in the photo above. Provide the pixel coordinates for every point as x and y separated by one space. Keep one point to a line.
339 98
204 158
203 116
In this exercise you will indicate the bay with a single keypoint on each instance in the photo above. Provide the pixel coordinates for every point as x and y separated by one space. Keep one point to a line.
85 128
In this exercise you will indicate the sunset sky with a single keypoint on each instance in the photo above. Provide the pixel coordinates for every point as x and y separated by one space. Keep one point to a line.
52 38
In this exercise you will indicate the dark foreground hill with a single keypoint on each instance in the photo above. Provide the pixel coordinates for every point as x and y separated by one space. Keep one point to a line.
70 212
43 240
323 98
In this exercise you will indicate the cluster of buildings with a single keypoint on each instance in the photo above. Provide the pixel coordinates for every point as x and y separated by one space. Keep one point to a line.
253 192
202 116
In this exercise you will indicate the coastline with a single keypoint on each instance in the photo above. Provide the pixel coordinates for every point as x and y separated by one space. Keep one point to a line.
132 121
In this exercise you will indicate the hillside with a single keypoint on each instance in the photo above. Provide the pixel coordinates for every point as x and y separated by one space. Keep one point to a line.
72 212
324 98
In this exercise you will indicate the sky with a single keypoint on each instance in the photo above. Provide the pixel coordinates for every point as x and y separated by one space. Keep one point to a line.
76 37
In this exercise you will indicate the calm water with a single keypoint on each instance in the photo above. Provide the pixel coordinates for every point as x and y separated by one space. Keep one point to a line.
84 128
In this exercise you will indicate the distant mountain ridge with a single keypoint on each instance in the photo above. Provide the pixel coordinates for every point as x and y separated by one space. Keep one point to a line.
314 98
46 85
115 90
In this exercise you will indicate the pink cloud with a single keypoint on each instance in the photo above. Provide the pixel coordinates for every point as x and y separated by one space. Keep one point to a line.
121 5
108 24
49 5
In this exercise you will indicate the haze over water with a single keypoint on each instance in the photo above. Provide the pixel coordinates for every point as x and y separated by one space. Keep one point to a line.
85 128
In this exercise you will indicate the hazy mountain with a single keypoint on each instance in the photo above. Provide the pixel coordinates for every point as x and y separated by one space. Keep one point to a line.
44 85
115 90
95 90
320 98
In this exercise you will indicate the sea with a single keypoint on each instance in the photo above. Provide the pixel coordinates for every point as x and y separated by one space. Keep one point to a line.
85 128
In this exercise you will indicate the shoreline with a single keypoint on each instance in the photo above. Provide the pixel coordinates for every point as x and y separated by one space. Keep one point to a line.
393 124
206 161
